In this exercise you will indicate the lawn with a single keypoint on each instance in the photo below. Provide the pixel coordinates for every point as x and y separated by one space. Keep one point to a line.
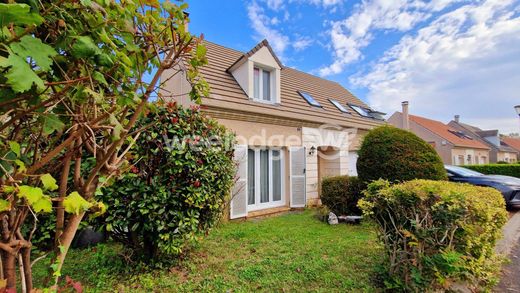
292 252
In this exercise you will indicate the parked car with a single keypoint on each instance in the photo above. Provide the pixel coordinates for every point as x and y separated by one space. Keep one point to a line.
507 185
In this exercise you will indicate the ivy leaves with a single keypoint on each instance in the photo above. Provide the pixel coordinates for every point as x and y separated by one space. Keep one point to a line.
18 14
20 75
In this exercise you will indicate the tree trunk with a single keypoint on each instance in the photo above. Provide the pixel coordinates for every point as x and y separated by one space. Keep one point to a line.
66 239
60 211
26 260
9 266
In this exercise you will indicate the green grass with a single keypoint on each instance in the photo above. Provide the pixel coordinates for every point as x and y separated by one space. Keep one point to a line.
289 253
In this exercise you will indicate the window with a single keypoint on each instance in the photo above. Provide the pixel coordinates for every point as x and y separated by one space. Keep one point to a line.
361 111
307 97
262 85
339 106
265 178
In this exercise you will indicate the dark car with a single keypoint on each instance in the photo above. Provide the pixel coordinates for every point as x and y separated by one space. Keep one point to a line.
507 185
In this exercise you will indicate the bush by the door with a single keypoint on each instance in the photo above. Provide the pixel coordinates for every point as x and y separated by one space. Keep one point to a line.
179 182
341 194
436 233
397 155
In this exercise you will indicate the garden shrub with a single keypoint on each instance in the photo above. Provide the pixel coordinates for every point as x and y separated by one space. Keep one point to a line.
394 154
436 233
179 182
497 169
341 194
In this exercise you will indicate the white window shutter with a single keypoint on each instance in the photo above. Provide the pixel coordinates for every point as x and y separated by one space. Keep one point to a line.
238 207
297 176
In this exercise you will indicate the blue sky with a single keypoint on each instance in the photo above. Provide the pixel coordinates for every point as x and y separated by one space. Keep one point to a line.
446 57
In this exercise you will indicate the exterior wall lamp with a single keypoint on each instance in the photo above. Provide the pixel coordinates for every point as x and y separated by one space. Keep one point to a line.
312 150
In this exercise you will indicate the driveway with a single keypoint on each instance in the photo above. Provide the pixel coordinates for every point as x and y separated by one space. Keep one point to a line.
510 280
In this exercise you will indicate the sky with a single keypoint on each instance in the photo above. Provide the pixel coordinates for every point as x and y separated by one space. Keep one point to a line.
446 57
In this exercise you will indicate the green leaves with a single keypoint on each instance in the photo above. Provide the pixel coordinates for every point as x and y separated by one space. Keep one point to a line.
49 183
41 53
31 194
51 123
20 75
36 199
18 14
44 204
84 47
75 203
4 205
15 147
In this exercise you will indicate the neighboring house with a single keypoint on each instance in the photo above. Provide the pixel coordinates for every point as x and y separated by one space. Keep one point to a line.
499 151
292 128
454 147
514 143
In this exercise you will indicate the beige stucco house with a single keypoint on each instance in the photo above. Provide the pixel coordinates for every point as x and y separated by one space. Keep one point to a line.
293 128
453 146
499 150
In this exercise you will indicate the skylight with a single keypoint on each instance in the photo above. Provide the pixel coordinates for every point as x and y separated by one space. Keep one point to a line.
309 99
377 115
339 106
361 111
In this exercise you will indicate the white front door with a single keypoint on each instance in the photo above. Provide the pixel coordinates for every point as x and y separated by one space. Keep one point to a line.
352 162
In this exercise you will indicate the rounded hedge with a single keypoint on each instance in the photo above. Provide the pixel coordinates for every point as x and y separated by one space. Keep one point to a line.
397 155
437 233
181 175
341 194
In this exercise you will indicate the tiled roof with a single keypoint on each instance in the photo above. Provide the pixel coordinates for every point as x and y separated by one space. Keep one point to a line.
447 133
512 142
226 92
482 136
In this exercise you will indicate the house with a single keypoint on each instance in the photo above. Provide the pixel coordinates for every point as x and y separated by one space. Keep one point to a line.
292 128
453 146
514 143
499 151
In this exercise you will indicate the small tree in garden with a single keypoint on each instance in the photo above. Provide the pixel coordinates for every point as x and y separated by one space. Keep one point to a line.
72 76
394 154
181 176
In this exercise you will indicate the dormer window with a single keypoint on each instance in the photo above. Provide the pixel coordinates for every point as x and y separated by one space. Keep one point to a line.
262 84
258 74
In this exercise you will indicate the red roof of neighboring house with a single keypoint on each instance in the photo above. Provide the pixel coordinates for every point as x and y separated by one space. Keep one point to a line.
512 142
448 133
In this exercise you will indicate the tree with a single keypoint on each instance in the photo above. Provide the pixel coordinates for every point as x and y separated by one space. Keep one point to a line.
397 155
182 174
75 77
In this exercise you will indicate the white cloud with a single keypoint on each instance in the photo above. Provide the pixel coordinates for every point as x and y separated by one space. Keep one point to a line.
301 43
261 24
464 62
351 35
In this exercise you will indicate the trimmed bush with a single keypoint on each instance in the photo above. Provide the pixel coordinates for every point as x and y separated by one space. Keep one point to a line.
341 194
397 155
436 233
180 180
497 169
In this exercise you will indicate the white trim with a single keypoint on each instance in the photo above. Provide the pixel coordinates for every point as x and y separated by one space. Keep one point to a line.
291 176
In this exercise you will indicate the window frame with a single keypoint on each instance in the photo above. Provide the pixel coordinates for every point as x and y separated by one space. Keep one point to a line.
271 203
272 85
339 106
316 104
